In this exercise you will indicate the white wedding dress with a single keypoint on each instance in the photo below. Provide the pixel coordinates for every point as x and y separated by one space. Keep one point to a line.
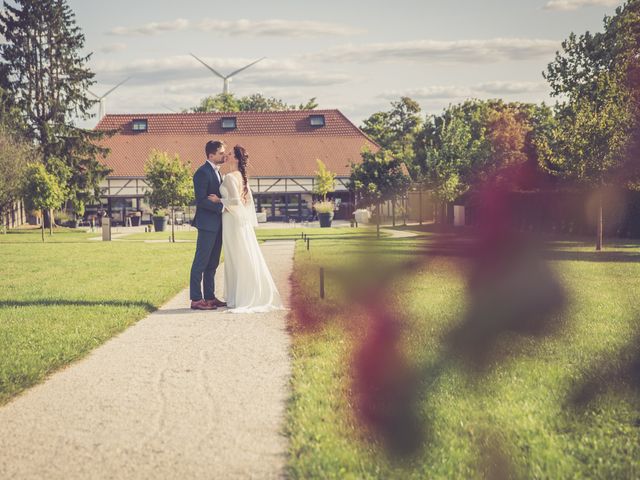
248 285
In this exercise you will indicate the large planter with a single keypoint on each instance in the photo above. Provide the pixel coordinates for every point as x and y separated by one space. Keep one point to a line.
325 219
362 215
159 224
135 221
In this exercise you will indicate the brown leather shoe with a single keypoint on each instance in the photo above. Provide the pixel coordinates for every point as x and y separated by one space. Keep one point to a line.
217 303
202 305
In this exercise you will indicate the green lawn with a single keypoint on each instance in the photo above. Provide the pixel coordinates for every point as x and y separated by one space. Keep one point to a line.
263 234
60 300
518 408
60 235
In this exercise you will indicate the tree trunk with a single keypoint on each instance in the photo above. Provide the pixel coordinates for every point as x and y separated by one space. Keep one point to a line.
46 218
599 225
420 205
405 209
42 226
173 225
378 220
393 211
51 221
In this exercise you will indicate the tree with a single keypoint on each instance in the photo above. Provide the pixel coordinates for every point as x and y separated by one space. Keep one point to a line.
595 140
477 141
47 79
41 191
589 140
395 130
311 104
453 151
15 153
378 178
228 102
325 181
377 127
170 182
507 134
223 102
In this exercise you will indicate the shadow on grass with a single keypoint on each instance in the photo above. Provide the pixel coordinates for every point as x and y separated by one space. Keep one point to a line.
58 302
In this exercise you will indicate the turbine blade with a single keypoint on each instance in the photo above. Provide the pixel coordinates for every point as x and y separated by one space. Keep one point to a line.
96 96
210 68
245 67
125 80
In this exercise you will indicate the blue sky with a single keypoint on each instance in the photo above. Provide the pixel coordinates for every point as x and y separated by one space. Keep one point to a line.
353 55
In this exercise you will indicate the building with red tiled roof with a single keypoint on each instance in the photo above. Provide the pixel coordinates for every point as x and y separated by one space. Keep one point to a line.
283 149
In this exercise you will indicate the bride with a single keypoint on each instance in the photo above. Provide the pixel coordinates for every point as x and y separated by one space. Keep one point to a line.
248 285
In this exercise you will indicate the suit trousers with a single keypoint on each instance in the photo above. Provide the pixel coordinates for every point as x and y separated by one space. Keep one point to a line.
205 263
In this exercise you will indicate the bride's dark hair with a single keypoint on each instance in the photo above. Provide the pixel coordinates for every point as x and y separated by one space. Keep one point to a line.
243 159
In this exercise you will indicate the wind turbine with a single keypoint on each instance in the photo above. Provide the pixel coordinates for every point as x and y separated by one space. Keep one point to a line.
103 103
227 79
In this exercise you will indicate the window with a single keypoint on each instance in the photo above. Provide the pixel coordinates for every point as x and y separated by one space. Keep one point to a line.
316 120
140 125
229 122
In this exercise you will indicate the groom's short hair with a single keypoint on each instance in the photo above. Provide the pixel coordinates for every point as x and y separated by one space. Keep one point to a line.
212 146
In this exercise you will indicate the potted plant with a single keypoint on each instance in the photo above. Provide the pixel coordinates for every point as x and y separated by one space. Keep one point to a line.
325 183
135 219
325 212
160 220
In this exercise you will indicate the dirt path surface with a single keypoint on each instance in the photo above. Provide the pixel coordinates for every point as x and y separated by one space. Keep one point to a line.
180 394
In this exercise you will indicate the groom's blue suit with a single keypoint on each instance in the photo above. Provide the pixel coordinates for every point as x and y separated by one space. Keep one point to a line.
208 221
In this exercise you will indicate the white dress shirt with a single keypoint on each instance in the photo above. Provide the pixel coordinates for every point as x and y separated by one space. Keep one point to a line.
216 169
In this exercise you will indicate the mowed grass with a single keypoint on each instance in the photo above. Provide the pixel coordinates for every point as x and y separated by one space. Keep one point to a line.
59 300
518 410
262 234
60 235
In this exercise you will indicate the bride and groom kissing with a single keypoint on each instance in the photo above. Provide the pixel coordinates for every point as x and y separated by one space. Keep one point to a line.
225 218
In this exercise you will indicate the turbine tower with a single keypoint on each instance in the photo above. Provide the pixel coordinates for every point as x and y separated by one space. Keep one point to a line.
103 102
227 79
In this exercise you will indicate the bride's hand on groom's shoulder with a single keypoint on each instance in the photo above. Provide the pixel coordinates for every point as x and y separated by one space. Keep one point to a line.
214 198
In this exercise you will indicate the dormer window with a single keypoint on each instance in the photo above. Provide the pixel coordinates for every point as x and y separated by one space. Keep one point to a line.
140 125
316 120
229 123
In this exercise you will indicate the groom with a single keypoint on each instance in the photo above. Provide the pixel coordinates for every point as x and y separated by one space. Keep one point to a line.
208 221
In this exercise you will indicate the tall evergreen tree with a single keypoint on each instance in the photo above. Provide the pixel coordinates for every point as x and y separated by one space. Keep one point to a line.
47 78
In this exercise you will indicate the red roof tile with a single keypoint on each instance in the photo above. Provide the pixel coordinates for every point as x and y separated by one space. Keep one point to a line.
279 143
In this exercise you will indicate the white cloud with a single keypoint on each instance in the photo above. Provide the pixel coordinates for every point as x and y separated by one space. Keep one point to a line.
566 5
277 28
453 92
243 27
467 51
511 88
113 48
152 28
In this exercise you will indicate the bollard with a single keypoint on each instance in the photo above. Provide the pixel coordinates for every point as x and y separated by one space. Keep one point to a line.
308 242
106 229
321 282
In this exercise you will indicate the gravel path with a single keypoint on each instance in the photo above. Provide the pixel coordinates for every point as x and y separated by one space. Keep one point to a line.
399 233
180 394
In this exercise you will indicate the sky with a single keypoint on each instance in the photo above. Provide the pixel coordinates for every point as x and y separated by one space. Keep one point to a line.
353 55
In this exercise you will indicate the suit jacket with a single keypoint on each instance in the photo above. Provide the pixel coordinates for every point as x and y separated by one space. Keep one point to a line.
208 214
